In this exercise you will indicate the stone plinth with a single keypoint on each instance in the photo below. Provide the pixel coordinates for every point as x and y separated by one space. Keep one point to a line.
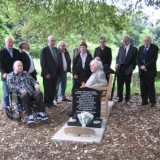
79 132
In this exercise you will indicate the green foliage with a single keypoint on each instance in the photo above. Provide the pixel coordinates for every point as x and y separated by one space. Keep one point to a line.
89 19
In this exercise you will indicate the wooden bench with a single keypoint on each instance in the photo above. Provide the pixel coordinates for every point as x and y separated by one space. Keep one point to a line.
107 89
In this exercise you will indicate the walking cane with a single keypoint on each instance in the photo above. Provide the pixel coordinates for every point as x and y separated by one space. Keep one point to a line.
113 86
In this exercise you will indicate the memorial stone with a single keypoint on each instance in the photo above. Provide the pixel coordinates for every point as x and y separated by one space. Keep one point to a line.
88 100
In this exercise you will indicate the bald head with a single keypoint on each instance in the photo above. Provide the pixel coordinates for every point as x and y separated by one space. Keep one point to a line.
9 43
18 67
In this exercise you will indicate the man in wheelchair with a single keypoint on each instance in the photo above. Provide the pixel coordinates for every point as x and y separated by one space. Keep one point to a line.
27 88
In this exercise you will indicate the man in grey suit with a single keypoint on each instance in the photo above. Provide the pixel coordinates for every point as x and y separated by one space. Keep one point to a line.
125 64
50 70
98 77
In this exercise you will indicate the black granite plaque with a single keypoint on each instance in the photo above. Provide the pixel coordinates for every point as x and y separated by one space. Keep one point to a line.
86 99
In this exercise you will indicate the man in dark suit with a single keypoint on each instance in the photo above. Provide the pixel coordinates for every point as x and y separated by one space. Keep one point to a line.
125 64
8 56
104 54
28 63
50 64
147 57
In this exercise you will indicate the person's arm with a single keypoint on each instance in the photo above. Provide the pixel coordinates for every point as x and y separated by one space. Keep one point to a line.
152 61
2 69
12 83
74 68
43 61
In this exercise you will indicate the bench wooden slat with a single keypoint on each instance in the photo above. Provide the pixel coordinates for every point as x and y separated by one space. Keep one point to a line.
107 90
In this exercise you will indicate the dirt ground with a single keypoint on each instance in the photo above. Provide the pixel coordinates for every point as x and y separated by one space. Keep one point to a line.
133 133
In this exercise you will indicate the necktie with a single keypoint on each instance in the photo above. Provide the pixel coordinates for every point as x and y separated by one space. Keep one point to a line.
145 50
55 57
11 53
124 55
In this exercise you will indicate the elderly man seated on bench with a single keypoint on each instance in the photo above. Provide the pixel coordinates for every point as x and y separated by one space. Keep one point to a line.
21 82
98 77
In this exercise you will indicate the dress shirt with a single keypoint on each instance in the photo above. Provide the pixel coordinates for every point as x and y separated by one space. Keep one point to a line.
64 62
32 67
83 57
10 52
19 81
54 54
127 48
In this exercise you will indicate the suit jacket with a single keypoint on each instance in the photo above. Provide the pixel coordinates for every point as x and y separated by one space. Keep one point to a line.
26 64
75 52
105 56
130 60
48 63
83 74
68 60
149 60
6 61
97 79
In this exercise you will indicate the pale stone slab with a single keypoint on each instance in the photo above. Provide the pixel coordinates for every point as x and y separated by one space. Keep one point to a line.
97 138
79 132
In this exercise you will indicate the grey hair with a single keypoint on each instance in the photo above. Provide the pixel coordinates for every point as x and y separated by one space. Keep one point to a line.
51 37
61 42
99 63
7 38
17 62
127 36
148 37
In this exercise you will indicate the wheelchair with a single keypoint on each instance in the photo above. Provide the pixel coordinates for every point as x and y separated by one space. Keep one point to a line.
16 111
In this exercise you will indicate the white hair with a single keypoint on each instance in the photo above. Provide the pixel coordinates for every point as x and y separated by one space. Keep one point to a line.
61 42
16 63
51 37
99 63
7 38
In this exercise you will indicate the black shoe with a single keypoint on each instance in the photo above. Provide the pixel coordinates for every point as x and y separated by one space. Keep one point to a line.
153 105
66 100
49 105
127 99
120 100
143 104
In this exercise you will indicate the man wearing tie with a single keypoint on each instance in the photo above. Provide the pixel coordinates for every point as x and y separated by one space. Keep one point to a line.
49 60
8 56
28 63
125 64
146 60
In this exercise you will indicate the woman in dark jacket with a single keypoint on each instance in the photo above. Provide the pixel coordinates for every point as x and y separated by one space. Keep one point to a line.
81 66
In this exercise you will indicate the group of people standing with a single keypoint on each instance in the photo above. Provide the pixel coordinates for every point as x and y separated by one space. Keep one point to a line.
56 62
127 59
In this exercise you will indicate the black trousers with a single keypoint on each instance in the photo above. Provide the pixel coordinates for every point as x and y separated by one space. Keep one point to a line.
122 79
49 90
26 100
147 89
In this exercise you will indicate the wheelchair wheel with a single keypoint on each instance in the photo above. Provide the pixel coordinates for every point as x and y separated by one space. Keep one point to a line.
9 113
